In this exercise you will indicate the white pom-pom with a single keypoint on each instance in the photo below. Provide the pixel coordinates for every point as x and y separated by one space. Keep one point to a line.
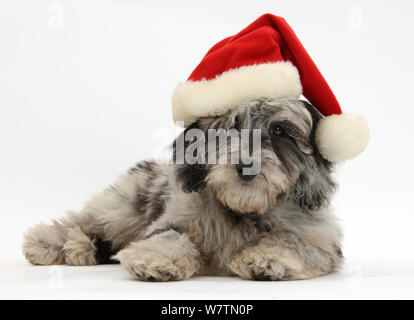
342 137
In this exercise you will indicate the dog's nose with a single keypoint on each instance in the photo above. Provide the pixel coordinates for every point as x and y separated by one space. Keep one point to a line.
244 177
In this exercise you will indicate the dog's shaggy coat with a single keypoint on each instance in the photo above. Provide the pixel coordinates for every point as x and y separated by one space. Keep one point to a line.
172 221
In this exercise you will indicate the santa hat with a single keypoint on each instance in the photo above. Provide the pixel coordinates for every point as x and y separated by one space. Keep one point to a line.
267 60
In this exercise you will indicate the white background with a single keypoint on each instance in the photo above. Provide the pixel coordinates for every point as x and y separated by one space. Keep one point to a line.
85 89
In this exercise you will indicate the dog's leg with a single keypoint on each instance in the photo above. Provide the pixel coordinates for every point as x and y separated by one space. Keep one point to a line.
279 260
108 222
62 242
164 256
81 238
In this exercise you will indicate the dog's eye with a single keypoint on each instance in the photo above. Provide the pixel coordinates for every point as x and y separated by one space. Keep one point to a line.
277 131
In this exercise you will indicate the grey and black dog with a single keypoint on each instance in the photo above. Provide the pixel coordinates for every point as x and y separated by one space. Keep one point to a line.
173 221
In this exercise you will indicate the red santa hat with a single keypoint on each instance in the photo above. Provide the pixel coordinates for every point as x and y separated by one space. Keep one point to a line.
267 60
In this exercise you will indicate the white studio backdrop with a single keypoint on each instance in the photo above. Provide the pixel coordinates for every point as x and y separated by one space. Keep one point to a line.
85 92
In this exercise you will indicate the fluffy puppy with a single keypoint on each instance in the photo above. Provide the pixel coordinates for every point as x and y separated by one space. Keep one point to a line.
172 221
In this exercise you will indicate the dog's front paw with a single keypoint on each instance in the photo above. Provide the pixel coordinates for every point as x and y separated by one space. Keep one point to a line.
152 266
251 266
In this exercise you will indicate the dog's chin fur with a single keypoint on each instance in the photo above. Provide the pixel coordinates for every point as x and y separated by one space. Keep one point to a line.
242 200
252 197
171 221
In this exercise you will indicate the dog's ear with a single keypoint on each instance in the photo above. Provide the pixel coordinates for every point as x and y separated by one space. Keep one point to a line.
315 185
313 188
190 176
